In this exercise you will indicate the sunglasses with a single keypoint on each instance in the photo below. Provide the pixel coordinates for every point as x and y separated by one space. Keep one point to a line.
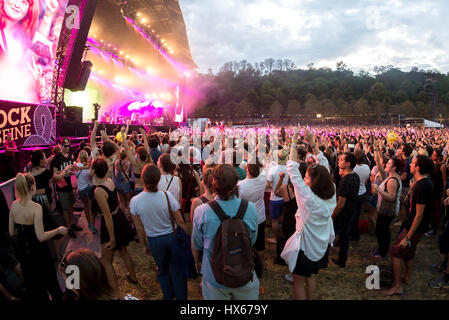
62 263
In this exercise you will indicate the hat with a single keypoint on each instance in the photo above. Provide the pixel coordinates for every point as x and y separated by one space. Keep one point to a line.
282 156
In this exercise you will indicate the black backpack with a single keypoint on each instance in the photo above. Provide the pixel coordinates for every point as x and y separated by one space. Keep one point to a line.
232 258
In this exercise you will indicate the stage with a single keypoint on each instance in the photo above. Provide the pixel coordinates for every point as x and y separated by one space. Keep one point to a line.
77 130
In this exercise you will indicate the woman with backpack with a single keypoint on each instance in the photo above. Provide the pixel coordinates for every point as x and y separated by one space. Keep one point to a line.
228 273
307 249
389 192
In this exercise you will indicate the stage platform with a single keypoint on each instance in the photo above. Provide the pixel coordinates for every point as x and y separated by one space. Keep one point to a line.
76 129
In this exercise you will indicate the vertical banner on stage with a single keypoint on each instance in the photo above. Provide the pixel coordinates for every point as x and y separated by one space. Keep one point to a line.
28 124
29 36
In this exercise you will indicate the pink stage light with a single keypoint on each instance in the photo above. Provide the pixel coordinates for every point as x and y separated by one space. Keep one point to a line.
176 64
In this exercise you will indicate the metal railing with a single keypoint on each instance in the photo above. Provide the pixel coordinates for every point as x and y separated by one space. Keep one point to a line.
8 191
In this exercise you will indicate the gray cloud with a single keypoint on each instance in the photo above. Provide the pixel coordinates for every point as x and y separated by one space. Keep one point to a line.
361 33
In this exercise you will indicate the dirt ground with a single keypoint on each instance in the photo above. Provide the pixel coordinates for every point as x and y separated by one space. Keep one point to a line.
332 283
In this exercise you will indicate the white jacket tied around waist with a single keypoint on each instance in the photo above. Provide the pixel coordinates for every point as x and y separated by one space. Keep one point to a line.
314 226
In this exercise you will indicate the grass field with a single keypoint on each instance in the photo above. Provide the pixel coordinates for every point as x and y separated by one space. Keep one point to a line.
332 283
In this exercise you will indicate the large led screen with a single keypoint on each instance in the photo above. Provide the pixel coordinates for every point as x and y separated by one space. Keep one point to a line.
29 35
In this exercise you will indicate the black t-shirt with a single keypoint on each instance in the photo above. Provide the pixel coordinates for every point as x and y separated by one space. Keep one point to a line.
437 180
60 163
348 188
406 182
422 194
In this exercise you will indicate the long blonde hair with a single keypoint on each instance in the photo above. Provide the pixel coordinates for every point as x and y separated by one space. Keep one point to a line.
24 184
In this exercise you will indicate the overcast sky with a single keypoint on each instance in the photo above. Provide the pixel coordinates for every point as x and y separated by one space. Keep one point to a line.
362 33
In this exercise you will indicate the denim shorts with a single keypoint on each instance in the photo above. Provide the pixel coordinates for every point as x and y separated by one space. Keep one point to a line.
137 191
275 208
124 188
87 192
372 201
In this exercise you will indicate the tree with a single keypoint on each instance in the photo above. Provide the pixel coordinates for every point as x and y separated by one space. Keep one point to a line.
341 66
327 107
251 96
378 92
362 108
275 110
269 65
293 108
400 96
311 104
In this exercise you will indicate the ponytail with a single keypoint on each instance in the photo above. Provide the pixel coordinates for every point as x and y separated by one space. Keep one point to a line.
24 183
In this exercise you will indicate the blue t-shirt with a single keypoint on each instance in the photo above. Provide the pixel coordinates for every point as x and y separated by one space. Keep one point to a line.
205 227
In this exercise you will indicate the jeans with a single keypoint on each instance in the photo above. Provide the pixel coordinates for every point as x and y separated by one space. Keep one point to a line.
355 233
343 230
383 233
170 274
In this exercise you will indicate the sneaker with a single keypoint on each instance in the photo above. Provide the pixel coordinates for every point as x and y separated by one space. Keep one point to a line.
436 268
439 284
289 277
74 227
377 255
271 240
335 261
430 233
130 297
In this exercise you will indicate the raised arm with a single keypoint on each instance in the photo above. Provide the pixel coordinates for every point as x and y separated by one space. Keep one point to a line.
145 141
279 191
293 151
93 138
380 167
302 191
129 154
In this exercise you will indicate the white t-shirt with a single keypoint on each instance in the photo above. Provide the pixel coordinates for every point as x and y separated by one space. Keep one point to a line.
273 176
152 209
254 190
175 185
364 173
164 148
84 179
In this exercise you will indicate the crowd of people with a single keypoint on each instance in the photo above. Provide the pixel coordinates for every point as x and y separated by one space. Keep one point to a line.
174 195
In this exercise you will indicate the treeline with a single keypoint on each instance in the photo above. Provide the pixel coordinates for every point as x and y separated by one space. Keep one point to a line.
277 89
